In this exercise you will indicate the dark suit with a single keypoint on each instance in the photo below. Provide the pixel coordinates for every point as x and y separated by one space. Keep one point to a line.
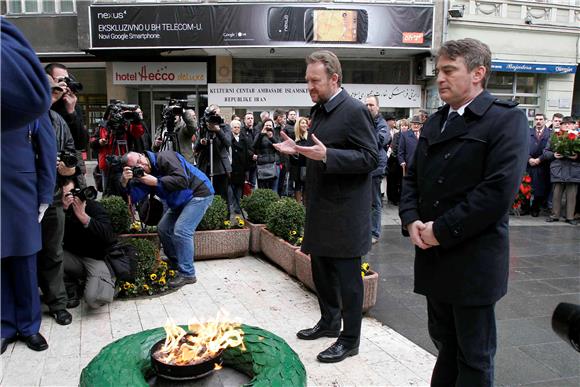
540 173
465 180
407 145
28 179
338 209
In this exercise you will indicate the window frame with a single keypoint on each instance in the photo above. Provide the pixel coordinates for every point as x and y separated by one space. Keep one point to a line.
40 8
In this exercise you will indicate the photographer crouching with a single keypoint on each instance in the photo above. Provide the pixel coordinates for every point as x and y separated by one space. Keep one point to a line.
212 148
121 125
87 236
187 192
178 125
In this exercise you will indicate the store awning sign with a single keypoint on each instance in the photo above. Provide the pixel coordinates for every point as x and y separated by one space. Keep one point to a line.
180 26
159 73
296 95
542 68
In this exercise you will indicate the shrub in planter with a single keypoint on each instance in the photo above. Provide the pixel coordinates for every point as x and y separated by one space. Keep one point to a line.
256 205
215 216
286 219
118 212
152 274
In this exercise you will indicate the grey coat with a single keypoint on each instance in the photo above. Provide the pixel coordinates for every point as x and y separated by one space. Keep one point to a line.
563 170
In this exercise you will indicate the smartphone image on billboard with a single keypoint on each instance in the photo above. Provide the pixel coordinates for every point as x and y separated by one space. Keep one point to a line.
286 23
336 25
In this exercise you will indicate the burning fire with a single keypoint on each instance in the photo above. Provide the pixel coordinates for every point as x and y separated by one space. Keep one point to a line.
202 342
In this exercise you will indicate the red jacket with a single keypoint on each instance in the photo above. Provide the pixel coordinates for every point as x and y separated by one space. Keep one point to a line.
136 130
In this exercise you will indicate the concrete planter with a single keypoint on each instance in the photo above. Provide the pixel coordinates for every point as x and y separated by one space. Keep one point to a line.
304 270
231 243
255 232
278 251
152 236
304 275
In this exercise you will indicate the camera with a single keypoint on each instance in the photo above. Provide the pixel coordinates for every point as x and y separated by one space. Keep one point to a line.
138 172
211 117
118 114
566 323
173 109
89 193
69 159
72 84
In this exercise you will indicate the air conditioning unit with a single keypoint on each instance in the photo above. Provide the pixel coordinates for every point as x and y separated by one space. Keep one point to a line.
425 68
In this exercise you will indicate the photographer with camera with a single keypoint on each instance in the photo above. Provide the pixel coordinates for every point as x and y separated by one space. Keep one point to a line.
120 124
176 130
66 105
87 236
212 148
187 192
50 258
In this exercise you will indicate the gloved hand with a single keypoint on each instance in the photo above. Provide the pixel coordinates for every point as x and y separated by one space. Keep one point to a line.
41 210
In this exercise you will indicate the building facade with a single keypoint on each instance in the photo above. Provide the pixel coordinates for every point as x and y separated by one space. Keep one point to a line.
250 55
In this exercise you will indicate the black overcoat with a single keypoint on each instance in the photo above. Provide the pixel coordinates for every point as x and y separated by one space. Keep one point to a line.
338 192
540 174
465 180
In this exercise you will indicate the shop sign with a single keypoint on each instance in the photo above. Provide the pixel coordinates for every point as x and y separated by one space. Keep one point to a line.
121 26
296 95
159 73
541 68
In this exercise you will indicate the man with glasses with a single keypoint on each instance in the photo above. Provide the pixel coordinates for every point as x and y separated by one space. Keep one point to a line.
187 192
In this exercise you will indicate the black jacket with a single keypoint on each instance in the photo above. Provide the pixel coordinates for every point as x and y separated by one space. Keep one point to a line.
465 180
75 123
338 192
241 158
222 141
265 150
91 241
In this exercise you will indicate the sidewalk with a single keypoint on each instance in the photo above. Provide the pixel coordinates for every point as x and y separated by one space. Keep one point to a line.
250 291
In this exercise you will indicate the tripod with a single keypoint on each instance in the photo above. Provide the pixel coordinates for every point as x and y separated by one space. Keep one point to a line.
114 168
170 142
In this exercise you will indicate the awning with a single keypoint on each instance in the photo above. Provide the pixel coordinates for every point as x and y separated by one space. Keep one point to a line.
544 68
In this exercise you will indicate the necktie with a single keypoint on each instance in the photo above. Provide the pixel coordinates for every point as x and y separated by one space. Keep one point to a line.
450 118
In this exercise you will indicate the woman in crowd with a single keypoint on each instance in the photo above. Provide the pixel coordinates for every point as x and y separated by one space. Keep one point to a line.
299 161
267 162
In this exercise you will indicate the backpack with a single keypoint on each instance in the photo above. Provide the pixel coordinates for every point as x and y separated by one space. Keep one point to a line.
122 260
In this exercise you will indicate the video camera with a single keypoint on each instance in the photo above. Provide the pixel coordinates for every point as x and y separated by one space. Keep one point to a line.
210 117
119 113
89 193
69 159
173 109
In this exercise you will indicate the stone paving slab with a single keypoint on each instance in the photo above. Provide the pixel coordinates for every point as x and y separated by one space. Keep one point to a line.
248 290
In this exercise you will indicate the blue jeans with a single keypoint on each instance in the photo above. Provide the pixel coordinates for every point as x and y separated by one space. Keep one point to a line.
176 230
377 206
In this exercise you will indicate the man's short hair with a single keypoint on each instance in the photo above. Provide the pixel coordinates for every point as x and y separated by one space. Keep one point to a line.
376 97
558 115
330 62
474 53
540 114
263 115
279 113
51 66
250 113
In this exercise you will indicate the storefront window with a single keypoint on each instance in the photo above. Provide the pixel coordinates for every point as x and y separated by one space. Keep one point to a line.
519 87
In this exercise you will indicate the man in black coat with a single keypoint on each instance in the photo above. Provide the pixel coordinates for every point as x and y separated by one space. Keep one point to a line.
468 164
341 153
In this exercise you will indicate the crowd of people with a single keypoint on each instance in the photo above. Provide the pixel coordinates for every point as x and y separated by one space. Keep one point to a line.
454 175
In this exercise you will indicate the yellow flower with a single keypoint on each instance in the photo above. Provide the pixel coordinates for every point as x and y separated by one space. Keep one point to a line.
126 285
227 223
153 277
162 281
163 264
241 222
293 232
145 287
172 273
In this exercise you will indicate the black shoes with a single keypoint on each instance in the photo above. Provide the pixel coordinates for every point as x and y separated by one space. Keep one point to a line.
6 341
336 352
535 213
573 222
36 342
317 332
551 219
73 303
62 317
180 280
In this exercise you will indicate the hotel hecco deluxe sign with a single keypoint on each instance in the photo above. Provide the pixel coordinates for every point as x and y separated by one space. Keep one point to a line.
159 73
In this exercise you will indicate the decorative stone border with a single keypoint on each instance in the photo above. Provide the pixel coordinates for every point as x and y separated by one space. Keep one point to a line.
255 232
231 243
278 251
268 359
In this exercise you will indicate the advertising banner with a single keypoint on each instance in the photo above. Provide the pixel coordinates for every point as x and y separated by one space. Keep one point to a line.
159 73
173 26
296 95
